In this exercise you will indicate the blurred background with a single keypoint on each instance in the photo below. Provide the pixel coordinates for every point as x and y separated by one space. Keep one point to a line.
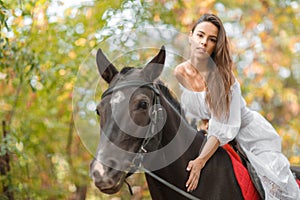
49 84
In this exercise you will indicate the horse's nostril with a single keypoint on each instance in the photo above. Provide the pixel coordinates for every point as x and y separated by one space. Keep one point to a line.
96 175
109 181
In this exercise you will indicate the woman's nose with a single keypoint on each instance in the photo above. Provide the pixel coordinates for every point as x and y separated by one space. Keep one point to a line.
203 41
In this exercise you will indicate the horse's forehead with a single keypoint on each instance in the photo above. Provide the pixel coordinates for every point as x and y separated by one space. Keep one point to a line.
117 97
123 95
120 95
135 74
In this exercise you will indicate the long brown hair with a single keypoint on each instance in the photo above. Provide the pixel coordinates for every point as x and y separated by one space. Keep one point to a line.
220 76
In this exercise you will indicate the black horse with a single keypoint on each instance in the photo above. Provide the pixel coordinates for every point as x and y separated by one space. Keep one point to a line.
142 124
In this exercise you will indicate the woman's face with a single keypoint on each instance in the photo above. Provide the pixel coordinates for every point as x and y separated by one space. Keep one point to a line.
204 39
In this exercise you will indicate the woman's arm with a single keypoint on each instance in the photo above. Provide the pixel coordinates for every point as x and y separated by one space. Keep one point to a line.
219 133
196 165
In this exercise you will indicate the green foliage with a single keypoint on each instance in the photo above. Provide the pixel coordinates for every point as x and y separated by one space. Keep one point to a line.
3 15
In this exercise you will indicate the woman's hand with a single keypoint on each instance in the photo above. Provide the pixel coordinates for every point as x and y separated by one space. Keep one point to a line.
204 124
194 167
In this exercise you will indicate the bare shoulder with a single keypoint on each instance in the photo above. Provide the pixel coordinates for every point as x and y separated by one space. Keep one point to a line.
180 70
180 73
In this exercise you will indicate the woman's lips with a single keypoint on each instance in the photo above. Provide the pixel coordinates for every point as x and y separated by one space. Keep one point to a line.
201 50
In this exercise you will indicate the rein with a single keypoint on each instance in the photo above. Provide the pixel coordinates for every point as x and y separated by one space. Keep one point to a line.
173 187
156 118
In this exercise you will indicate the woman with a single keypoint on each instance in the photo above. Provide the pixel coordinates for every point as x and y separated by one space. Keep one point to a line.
210 92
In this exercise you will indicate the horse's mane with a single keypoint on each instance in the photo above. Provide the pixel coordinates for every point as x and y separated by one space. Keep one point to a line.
169 95
126 69
163 88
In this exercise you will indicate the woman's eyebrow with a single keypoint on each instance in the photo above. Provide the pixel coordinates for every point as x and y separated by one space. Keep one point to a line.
199 31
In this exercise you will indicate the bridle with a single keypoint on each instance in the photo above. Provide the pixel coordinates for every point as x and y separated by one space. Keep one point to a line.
157 116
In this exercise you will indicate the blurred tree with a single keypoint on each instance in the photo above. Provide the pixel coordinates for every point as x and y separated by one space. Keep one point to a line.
46 42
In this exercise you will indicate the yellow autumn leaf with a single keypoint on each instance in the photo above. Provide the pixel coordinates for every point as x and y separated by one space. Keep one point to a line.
80 42
19 146
156 18
68 86
92 43
72 54
294 160
62 97
62 72
5 106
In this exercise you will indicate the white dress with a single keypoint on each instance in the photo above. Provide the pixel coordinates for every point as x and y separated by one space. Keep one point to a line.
255 135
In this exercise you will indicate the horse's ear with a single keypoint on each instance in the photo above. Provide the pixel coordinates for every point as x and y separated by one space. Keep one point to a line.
105 68
154 68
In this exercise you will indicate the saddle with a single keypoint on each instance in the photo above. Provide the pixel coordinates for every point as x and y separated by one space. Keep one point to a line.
252 172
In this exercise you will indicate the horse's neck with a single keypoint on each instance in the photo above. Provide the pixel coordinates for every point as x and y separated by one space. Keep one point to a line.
180 144
185 144
180 136
176 124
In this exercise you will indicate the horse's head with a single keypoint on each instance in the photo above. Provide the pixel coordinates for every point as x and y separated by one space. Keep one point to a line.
128 110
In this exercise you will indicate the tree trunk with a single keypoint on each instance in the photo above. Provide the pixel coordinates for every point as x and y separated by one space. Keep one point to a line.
5 167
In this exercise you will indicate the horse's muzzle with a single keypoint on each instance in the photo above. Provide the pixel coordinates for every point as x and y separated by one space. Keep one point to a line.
106 179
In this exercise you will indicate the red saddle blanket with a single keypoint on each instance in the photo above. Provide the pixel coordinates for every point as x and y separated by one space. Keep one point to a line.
242 175
298 181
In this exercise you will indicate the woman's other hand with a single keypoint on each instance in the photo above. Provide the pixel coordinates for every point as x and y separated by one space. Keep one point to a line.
194 167
204 124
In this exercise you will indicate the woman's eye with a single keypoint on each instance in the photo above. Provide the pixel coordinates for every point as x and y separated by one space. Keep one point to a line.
143 105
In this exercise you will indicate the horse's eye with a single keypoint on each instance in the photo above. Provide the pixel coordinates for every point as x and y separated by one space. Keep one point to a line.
143 104
97 111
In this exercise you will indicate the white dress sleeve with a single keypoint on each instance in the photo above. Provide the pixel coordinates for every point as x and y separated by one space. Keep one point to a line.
228 129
